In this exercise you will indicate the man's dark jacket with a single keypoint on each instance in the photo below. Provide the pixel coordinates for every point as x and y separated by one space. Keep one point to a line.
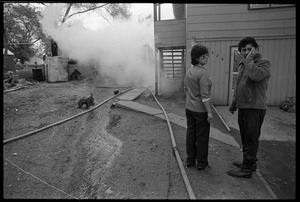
252 83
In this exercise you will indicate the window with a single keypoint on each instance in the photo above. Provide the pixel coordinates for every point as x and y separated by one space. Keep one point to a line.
173 63
262 6
168 11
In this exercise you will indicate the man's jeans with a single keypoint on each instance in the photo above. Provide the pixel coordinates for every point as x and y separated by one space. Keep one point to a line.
250 122
197 137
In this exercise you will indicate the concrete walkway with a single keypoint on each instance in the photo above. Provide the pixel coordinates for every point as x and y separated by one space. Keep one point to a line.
176 119
276 124
126 101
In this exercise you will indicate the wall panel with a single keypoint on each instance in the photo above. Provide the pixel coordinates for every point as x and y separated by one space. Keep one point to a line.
280 52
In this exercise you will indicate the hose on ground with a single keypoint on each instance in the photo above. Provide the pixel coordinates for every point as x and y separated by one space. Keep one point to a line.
64 120
221 118
182 170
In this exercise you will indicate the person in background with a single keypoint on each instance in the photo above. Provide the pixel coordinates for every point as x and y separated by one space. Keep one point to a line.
44 57
18 62
54 47
198 109
250 100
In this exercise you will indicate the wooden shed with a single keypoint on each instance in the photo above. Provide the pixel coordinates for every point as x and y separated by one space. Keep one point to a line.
9 61
75 75
220 27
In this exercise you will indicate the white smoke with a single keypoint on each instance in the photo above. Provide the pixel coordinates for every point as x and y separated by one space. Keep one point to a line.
119 49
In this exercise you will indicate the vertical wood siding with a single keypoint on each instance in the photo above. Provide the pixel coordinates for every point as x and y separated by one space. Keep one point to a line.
220 26
280 52
219 68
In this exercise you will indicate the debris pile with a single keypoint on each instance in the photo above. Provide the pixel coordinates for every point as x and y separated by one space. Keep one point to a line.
12 82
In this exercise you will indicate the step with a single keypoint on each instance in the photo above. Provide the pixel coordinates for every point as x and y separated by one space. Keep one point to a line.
132 94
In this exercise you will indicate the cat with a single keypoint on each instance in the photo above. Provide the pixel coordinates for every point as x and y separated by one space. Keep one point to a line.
87 101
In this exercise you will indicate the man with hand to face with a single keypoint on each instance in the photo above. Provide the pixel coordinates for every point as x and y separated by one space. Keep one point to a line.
250 100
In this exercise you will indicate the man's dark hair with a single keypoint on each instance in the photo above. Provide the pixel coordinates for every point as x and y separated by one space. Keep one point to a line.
196 52
245 41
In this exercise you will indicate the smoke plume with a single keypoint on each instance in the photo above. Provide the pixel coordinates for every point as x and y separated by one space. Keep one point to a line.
122 51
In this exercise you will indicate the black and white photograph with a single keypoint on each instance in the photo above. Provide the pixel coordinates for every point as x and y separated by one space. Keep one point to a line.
148 101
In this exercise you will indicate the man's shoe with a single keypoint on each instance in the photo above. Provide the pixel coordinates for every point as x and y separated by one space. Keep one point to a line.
206 168
242 173
239 165
190 164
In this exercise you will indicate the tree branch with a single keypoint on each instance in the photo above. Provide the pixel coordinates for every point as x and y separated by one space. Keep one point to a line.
105 18
67 13
80 12
36 40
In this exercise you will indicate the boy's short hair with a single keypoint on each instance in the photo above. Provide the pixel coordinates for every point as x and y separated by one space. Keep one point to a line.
197 51
247 40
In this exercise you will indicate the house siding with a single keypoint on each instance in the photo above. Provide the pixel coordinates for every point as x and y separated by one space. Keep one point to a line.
218 67
169 33
236 20
283 71
220 26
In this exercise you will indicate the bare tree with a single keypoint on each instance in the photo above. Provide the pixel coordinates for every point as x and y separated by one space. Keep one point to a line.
115 10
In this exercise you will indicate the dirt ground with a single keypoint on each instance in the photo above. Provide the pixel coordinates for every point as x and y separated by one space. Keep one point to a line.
108 153
74 159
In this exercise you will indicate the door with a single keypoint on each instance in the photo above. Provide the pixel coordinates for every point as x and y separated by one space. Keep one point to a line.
235 58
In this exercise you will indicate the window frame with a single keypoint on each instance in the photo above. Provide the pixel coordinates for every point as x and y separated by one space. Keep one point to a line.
268 6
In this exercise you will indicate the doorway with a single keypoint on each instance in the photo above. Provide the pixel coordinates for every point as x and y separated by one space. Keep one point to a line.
235 58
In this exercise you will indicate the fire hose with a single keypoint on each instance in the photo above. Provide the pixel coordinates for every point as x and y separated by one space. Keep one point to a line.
183 173
182 170
64 120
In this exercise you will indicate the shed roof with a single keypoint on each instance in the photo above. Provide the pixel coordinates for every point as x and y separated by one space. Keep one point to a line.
8 52
76 72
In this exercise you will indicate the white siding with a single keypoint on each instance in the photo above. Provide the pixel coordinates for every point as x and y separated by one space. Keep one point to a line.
236 20
220 26
280 52
169 33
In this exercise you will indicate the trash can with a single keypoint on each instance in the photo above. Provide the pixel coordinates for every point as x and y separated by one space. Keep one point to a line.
37 74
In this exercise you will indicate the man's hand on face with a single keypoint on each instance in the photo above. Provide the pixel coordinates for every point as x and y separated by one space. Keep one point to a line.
251 53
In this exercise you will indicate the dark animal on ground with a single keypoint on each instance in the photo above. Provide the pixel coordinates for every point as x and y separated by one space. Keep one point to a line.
87 101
